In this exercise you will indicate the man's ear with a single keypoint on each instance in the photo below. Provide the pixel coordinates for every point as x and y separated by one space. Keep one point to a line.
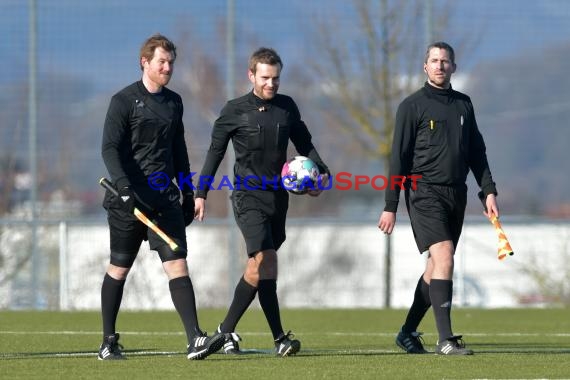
251 76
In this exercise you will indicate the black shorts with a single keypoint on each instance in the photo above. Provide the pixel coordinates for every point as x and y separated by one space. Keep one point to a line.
127 233
260 216
436 213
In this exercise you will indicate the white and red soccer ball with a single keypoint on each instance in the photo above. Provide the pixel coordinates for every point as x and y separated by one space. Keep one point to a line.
299 175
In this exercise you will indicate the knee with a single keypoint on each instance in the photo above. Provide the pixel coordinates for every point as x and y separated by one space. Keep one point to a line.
444 264
261 266
441 260
118 273
251 275
175 268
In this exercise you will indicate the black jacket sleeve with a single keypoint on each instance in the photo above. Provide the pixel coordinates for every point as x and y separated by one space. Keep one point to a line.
116 139
402 151
478 162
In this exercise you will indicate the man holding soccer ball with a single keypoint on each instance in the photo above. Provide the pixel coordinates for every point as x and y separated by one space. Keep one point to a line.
260 125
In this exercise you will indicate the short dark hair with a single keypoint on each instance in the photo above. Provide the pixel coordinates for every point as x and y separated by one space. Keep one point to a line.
264 55
153 42
441 45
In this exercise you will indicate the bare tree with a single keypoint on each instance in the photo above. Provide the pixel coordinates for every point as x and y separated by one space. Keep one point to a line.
200 80
367 68
371 69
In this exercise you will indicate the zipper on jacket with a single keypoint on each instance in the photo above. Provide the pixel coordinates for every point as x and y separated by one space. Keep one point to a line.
277 135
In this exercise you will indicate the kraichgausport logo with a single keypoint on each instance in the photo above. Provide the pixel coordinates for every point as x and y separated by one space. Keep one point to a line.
343 181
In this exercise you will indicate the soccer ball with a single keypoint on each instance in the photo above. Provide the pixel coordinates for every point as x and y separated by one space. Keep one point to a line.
299 175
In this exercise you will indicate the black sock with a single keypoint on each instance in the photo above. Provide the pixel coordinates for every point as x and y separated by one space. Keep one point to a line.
270 304
111 296
243 297
419 307
182 294
441 292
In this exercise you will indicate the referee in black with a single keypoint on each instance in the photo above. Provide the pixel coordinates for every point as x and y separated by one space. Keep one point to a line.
436 137
260 125
144 149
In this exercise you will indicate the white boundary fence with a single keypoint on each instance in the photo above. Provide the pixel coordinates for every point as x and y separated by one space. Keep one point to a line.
321 266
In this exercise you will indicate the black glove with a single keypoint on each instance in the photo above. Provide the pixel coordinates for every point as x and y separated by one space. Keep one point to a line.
188 208
126 200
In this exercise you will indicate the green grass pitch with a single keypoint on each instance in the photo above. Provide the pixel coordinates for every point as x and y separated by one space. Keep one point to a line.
336 344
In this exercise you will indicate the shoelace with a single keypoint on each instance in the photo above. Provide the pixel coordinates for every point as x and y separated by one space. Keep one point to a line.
457 341
417 338
232 342
413 341
235 337
289 336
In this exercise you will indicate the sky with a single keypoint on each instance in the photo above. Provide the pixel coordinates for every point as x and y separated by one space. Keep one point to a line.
76 35
513 28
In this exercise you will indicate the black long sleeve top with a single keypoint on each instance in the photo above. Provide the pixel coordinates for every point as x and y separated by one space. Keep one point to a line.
436 137
260 132
144 134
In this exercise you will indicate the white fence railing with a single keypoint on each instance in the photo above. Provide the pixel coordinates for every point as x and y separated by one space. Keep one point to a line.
320 265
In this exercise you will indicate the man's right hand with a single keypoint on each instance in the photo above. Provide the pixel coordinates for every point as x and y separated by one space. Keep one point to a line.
126 200
199 209
387 222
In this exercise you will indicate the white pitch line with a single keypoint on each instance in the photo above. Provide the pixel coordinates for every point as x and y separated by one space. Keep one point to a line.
250 333
19 355
69 332
321 352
